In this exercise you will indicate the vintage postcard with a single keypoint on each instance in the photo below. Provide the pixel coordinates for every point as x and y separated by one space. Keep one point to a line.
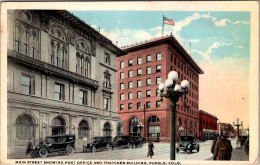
165 83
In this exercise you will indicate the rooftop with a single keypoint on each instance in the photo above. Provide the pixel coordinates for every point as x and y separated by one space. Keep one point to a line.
168 38
208 114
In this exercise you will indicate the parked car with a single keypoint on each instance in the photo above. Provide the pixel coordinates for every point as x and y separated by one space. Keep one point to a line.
128 141
99 143
187 144
55 144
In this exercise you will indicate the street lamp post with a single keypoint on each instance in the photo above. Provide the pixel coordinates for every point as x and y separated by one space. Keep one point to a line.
173 93
140 126
237 124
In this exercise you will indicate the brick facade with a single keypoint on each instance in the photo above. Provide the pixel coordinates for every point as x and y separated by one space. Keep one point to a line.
155 118
208 125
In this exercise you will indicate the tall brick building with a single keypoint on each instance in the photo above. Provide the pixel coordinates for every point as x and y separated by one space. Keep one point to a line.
208 125
140 72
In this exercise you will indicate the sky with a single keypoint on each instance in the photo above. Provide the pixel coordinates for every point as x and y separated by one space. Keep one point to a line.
218 41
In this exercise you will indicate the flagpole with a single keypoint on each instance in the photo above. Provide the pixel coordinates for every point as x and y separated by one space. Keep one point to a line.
162 25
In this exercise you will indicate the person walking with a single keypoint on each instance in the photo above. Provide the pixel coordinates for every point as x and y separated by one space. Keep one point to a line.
29 147
213 146
223 149
150 149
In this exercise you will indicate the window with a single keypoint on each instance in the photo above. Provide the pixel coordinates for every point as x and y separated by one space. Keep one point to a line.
25 126
83 129
107 58
122 75
158 56
26 85
122 96
107 131
26 42
133 127
130 84
139 106
106 81
33 45
158 92
122 64
106 103
58 91
139 72
139 60
87 66
159 68
139 94
122 107
17 39
130 106
139 83
148 70
122 86
62 56
158 80
148 58
82 97
148 93
130 62
153 119
148 82
148 104
77 63
158 104
130 73
154 132
130 96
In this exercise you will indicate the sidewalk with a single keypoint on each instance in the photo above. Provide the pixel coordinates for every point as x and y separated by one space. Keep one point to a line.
237 155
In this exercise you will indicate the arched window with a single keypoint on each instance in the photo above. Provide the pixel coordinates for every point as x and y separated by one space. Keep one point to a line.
154 127
133 130
26 42
58 126
83 129
25 126
33 45
185 126
17 38
107 131
57 54
120 128
87 66
62 57
191 127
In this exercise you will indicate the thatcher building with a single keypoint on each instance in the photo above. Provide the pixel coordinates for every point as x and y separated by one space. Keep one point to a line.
61 78
140 72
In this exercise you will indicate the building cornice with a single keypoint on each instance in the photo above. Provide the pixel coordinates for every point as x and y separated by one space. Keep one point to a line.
166 39
50 69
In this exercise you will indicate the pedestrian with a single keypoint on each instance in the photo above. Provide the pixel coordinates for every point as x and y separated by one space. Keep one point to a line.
213 146
41 142
29 147
223 149
150 149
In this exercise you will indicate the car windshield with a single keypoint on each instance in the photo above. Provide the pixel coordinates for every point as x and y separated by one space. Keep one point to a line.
49 140
97 140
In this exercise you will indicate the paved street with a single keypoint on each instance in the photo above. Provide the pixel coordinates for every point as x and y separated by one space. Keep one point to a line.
162 152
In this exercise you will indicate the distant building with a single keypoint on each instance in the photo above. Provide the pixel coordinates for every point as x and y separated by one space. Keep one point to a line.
61 78
208 125
140 72
226 129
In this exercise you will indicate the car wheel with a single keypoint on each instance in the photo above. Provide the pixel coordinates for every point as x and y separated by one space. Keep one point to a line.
198 149
43 152
94 149
133 146
129 145
177 150
70 150
109 147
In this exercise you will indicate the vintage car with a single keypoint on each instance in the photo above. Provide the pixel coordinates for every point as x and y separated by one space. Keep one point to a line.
55 144
187 144
128 141
99 143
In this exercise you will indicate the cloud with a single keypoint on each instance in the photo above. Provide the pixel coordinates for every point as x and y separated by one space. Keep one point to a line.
215 45
223 22
179 25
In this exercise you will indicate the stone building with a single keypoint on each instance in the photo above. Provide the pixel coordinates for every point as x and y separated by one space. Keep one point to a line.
61 78
146 65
